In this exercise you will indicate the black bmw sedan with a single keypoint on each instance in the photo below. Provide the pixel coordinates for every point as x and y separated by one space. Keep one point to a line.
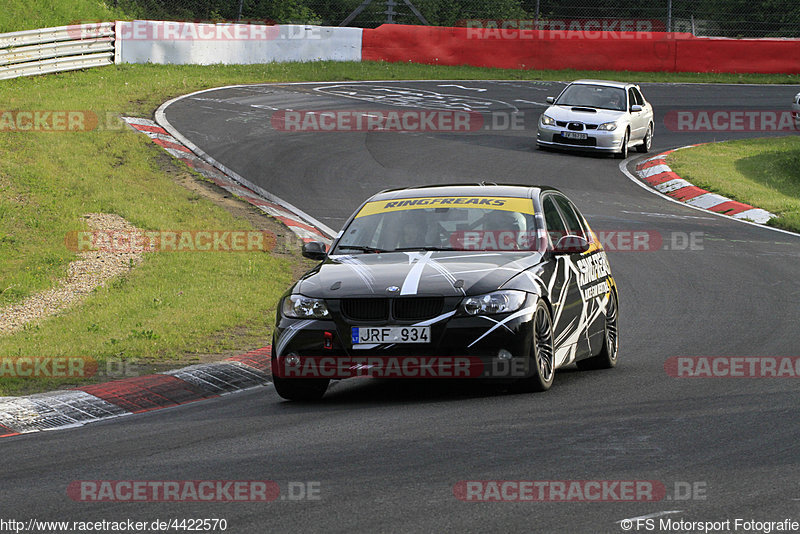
456 281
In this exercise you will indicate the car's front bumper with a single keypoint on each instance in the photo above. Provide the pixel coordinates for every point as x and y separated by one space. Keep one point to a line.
461 347
602 140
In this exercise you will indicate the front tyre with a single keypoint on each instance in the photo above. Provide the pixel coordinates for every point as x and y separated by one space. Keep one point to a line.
607 357
300 389
623 151
542 355
647 142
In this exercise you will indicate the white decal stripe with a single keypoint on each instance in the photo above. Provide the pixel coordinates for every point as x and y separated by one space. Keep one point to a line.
418 262
559 306
562 355
534 278
447 274
442 270
289 333
360 269
460 256
487 270
560 339
520 313
495 321
436 319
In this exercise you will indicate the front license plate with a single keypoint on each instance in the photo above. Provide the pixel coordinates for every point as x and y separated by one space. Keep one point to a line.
363 335
574 135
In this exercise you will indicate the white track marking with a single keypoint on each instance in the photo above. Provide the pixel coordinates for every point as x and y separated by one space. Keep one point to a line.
161 120
667 215
532 102
462 87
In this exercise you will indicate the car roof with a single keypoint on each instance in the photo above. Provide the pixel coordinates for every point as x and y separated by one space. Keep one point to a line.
608 83
465 189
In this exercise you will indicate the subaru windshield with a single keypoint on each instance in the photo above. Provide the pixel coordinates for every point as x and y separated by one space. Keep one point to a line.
593 96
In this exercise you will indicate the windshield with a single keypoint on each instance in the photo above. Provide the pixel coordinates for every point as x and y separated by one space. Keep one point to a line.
441 223
593 96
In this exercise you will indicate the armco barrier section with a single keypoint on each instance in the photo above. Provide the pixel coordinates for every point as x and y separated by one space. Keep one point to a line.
144 41
548 50
31 52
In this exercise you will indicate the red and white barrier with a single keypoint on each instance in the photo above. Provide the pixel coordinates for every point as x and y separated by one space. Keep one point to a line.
656 173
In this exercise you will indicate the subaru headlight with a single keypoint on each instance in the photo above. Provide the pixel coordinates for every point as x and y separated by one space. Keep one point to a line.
491 303
301 307
608 126
547 120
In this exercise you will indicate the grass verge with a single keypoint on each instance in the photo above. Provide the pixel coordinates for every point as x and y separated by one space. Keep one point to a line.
764 173
176 305
18 15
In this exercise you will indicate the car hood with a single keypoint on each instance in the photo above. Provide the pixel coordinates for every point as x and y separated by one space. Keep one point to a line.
451 273
574 113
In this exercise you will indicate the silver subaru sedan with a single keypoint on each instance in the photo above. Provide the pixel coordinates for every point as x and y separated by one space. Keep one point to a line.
597 115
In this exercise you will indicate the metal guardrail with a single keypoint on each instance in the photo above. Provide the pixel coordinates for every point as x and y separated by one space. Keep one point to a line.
46 50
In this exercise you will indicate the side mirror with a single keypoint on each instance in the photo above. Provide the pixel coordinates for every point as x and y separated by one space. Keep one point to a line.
315 250
571 244
635 108
550 99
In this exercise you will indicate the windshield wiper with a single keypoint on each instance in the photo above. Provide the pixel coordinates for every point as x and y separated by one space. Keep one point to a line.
361 248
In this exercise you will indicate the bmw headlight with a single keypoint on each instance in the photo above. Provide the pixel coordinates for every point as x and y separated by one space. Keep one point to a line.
301 307
608 126
547 120
491 303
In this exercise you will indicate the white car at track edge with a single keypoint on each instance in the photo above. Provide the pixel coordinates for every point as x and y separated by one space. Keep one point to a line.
597 115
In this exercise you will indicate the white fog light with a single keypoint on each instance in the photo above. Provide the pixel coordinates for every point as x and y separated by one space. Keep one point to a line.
504 355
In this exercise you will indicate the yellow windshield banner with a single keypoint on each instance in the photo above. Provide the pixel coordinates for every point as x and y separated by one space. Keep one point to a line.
522 205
